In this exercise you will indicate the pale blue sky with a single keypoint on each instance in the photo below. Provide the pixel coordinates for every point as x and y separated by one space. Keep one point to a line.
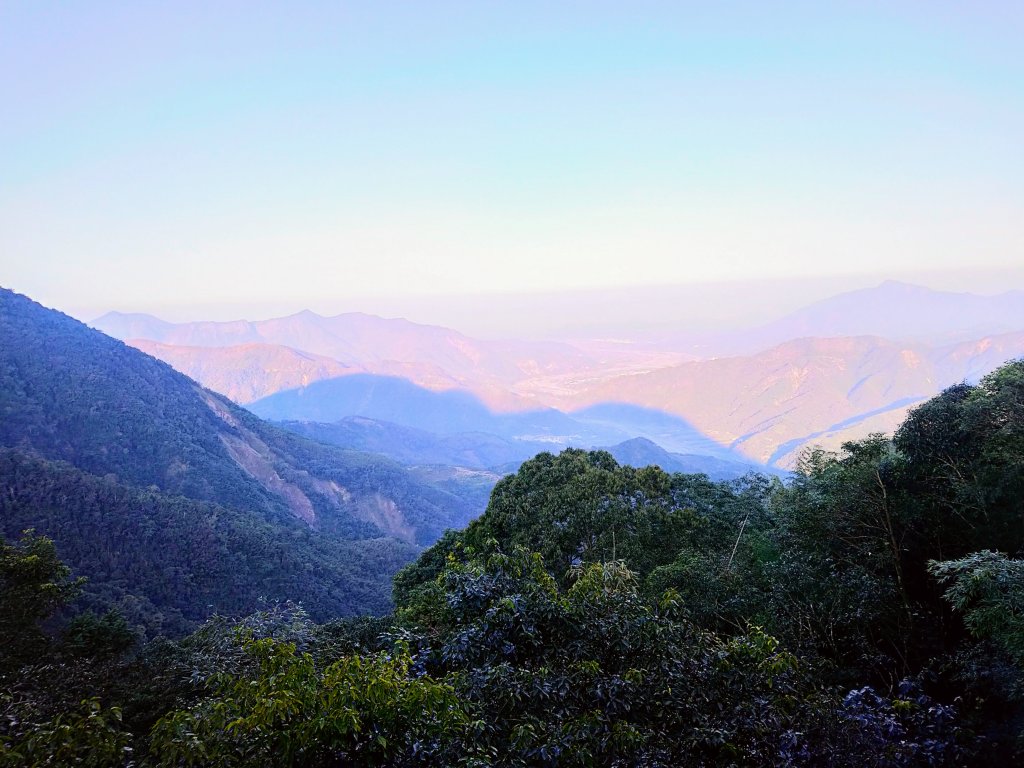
160 157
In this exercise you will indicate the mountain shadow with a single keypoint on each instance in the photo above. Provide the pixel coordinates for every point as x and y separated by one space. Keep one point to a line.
399 401
414 425
671 432
415 447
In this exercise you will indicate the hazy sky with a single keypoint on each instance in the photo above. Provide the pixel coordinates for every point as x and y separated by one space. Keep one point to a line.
296 154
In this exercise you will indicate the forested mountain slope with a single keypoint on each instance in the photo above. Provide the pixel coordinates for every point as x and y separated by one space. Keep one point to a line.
144 444
73 394
166 562
598 614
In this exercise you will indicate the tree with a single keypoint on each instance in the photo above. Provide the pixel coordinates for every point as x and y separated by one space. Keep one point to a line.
34 584
987 588
359 711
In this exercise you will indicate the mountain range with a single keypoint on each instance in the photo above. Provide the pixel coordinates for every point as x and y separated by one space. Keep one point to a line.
835 370
903 312
489 454
97 436
357 446
892 310
770 405
428 355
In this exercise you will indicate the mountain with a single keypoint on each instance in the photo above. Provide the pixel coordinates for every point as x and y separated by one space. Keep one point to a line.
480 459
373 343
166 562
397 400
901 311
892 310
73 396
770 405
133 325
471 484
670 431
834 370
641 452
246 372
411 446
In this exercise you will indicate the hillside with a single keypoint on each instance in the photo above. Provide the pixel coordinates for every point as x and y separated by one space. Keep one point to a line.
397 400
71 394
833 371
166 562
246 372
641 452
373 343
770 405
411 446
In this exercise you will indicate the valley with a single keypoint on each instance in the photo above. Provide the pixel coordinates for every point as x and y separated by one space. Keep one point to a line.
834 371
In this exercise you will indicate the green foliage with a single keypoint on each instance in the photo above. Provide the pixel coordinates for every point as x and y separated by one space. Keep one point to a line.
89 736
963 466
360 710
839 589
89 634
167 562
582 507
988 589
422 571
34 584
596 674
858 530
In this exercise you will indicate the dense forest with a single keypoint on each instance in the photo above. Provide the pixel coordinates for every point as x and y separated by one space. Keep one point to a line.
70 393
867 612
176 503
162 561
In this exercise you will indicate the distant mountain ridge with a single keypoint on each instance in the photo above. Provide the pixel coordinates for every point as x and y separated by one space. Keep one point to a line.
488 452
770 405
413 446
397 400
641 452
373 343
892 310
761 395
905 311
247 372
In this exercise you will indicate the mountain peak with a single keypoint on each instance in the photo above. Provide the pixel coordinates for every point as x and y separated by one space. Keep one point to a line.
640 442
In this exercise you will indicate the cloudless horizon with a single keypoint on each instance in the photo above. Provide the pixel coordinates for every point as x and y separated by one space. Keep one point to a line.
251 159
623 312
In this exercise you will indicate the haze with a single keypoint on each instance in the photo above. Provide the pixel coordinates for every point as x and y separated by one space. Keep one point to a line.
196 162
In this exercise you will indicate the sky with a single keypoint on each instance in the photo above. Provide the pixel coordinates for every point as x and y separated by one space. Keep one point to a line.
221 159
